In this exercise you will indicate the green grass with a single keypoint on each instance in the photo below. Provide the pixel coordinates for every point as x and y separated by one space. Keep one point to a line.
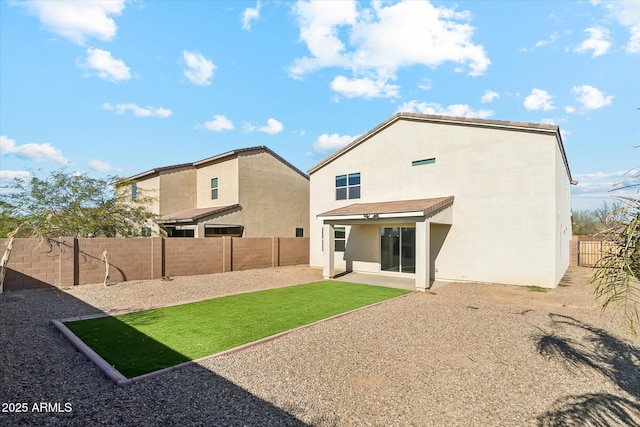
146 341
536 289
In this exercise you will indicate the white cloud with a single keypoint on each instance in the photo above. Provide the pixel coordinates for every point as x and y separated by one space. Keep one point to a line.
455 110
77 20
569 109
333 142
250 14
425 84
489 96
11 175
591 98
627 14
539 100
365 87
219 123
273 127
552 39
138 111
599 41
107 67
373 43
36 152
599 175
100 166
199 69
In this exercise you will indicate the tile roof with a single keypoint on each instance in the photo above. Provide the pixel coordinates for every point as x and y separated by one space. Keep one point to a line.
193 215
223 156
426 206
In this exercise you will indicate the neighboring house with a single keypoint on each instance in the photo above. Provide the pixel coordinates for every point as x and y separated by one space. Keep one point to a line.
445 198
249 192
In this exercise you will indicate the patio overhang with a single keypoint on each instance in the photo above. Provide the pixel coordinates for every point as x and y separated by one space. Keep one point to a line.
433 208
421 212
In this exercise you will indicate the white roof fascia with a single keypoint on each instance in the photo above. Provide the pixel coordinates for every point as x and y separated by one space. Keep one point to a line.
373 216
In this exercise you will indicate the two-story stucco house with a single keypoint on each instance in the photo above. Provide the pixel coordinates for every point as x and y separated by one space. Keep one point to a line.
249 192
447 199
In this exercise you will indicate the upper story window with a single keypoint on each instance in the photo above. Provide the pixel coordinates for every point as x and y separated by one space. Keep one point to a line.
348 186
299 232
214 188
134 190
423 162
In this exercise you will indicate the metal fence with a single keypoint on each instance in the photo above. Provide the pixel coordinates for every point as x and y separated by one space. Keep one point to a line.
590 251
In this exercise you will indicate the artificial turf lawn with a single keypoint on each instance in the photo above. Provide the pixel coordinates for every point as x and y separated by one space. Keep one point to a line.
146 341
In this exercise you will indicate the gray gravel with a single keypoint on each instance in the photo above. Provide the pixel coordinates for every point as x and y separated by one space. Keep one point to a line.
467 354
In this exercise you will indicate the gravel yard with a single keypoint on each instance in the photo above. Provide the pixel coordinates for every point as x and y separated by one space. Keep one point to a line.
466 354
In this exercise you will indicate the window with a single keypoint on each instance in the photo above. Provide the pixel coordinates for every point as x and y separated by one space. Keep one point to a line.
214 188
172 232
423 162
134 190
146 232
339 238
299 232
348 186
231 231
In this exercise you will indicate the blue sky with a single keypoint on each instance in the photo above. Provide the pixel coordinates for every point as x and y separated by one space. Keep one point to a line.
117 88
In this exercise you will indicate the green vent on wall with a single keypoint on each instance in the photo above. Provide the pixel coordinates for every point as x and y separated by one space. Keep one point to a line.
423 162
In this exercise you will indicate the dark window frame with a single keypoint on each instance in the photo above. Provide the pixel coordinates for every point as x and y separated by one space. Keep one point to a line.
348 186
215 188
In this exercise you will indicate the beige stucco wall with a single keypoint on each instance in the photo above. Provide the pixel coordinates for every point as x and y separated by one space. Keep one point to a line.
504 215
149 187
274 197
563 216
226 171
231 218
177 190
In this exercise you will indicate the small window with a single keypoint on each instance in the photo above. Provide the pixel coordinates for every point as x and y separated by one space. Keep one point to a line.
172 232
146 232
223 231
214 188
340 239
348 186
423 162
134 190
299 232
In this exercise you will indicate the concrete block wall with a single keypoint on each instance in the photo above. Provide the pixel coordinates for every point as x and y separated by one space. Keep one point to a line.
68 261
257 252
293 251
186 256
33 264
573 250
129 259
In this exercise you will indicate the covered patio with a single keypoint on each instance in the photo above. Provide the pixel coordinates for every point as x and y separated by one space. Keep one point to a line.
396 238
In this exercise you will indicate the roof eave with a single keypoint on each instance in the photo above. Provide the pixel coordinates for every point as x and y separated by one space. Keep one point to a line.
496 124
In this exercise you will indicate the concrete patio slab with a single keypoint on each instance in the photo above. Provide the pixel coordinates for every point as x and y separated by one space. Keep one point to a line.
379 280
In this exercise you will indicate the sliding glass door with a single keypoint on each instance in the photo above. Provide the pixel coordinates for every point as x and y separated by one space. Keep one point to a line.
397 249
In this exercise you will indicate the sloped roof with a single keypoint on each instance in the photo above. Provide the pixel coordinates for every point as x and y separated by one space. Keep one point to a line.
424 206
224 156
193 215
460 121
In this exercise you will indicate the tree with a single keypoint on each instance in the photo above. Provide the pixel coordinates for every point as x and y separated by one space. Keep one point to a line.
617 273
64 204
593 221
70 205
